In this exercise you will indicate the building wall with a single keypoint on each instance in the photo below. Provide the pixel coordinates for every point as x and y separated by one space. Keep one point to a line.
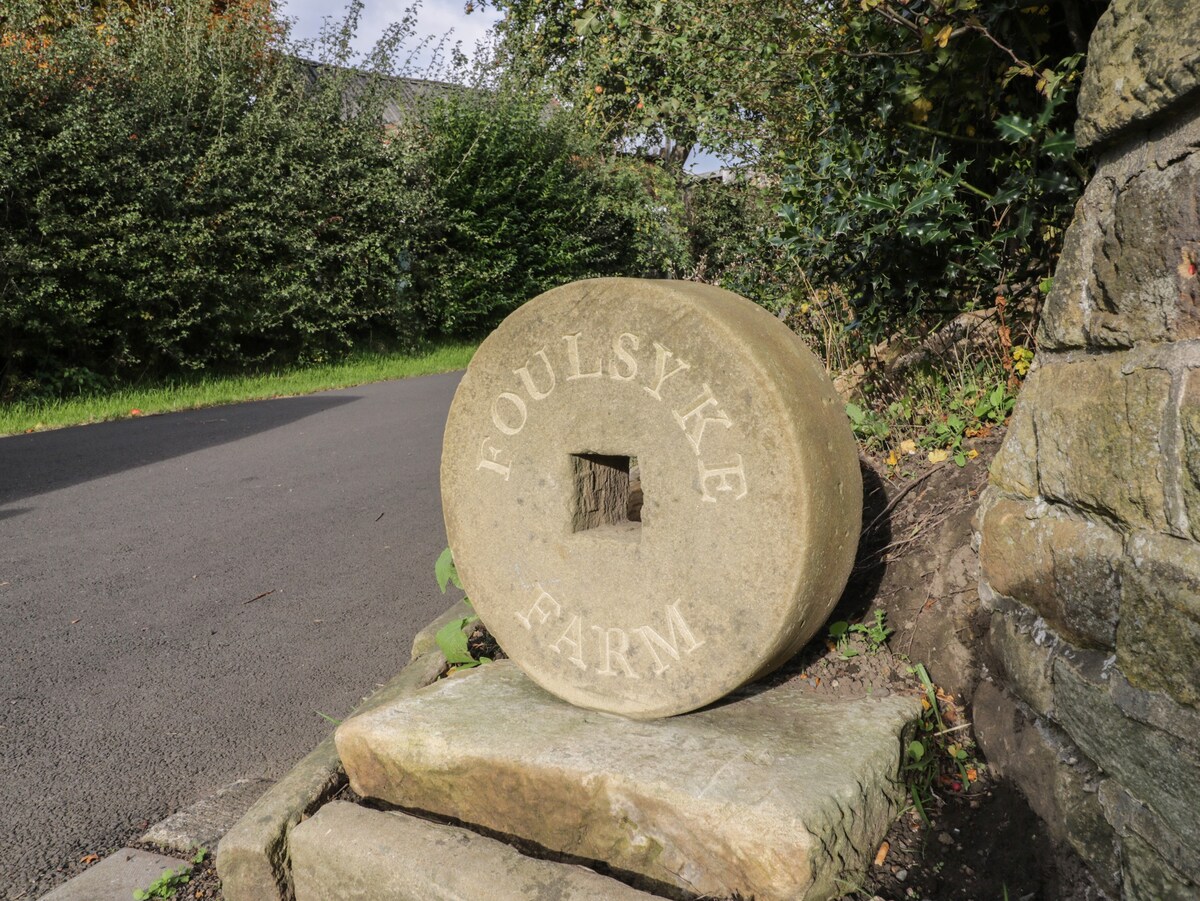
1089 533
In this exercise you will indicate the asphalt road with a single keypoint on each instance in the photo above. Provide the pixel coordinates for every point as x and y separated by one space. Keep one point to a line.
143 664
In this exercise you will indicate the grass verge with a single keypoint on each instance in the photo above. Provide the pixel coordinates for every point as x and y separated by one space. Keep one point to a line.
190 394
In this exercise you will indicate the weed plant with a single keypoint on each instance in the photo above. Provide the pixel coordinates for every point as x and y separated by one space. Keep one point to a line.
171 881
452 638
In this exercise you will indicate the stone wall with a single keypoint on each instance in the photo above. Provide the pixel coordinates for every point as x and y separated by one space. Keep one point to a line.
1090 529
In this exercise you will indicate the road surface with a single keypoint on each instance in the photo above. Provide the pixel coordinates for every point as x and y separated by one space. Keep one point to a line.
180 595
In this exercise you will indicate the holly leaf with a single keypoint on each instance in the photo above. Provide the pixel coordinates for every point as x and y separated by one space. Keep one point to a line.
1015 129
1059 145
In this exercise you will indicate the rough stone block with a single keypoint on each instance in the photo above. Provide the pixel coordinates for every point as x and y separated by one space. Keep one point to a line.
1143 58
1064 566
1099 438
350 853
1147 286
252 858
1157 768
1014 468
201 825
1189 450
743 530
1020 650
1150 878
116 877
1175 138
1157 709
1128 814
1052 774
775 794
1064 323
1158 641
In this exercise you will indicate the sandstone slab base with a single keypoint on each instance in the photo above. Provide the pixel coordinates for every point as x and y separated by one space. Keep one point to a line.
773 795
350 853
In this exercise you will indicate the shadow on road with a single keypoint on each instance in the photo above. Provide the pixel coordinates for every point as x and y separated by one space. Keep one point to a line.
47 461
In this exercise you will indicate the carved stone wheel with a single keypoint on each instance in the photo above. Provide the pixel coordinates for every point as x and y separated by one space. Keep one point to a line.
652 493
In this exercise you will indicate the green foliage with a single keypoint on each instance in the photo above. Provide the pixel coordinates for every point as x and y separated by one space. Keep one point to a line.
870 427
851 640
178 195
938 407
452 637
730 229
729 75
171 881
514 199
445 572
934 757
922 147
938 164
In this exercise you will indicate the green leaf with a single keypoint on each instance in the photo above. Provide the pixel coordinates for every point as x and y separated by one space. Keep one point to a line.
838 629
1059 145
452 641
445 571
1015 129
916 750
876 203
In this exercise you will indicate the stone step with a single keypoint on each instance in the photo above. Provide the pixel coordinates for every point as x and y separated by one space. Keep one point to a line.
775 794
351 853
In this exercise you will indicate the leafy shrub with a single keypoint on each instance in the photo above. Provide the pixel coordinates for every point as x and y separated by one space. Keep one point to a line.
177 194
517 198
731 228
938 166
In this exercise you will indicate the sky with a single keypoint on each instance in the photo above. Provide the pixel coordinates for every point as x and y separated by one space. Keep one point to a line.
434 17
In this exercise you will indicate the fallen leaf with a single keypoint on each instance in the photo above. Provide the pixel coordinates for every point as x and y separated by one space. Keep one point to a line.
882 853
89 858
938 456
891 460
135 412
972 774
908 446
972 454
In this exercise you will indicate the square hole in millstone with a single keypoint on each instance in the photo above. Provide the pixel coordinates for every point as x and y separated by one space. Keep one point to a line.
608 492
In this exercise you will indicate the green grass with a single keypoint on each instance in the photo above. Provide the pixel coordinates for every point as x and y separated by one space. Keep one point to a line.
190 394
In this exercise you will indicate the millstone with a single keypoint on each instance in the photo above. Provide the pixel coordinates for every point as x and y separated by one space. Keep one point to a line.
651 491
